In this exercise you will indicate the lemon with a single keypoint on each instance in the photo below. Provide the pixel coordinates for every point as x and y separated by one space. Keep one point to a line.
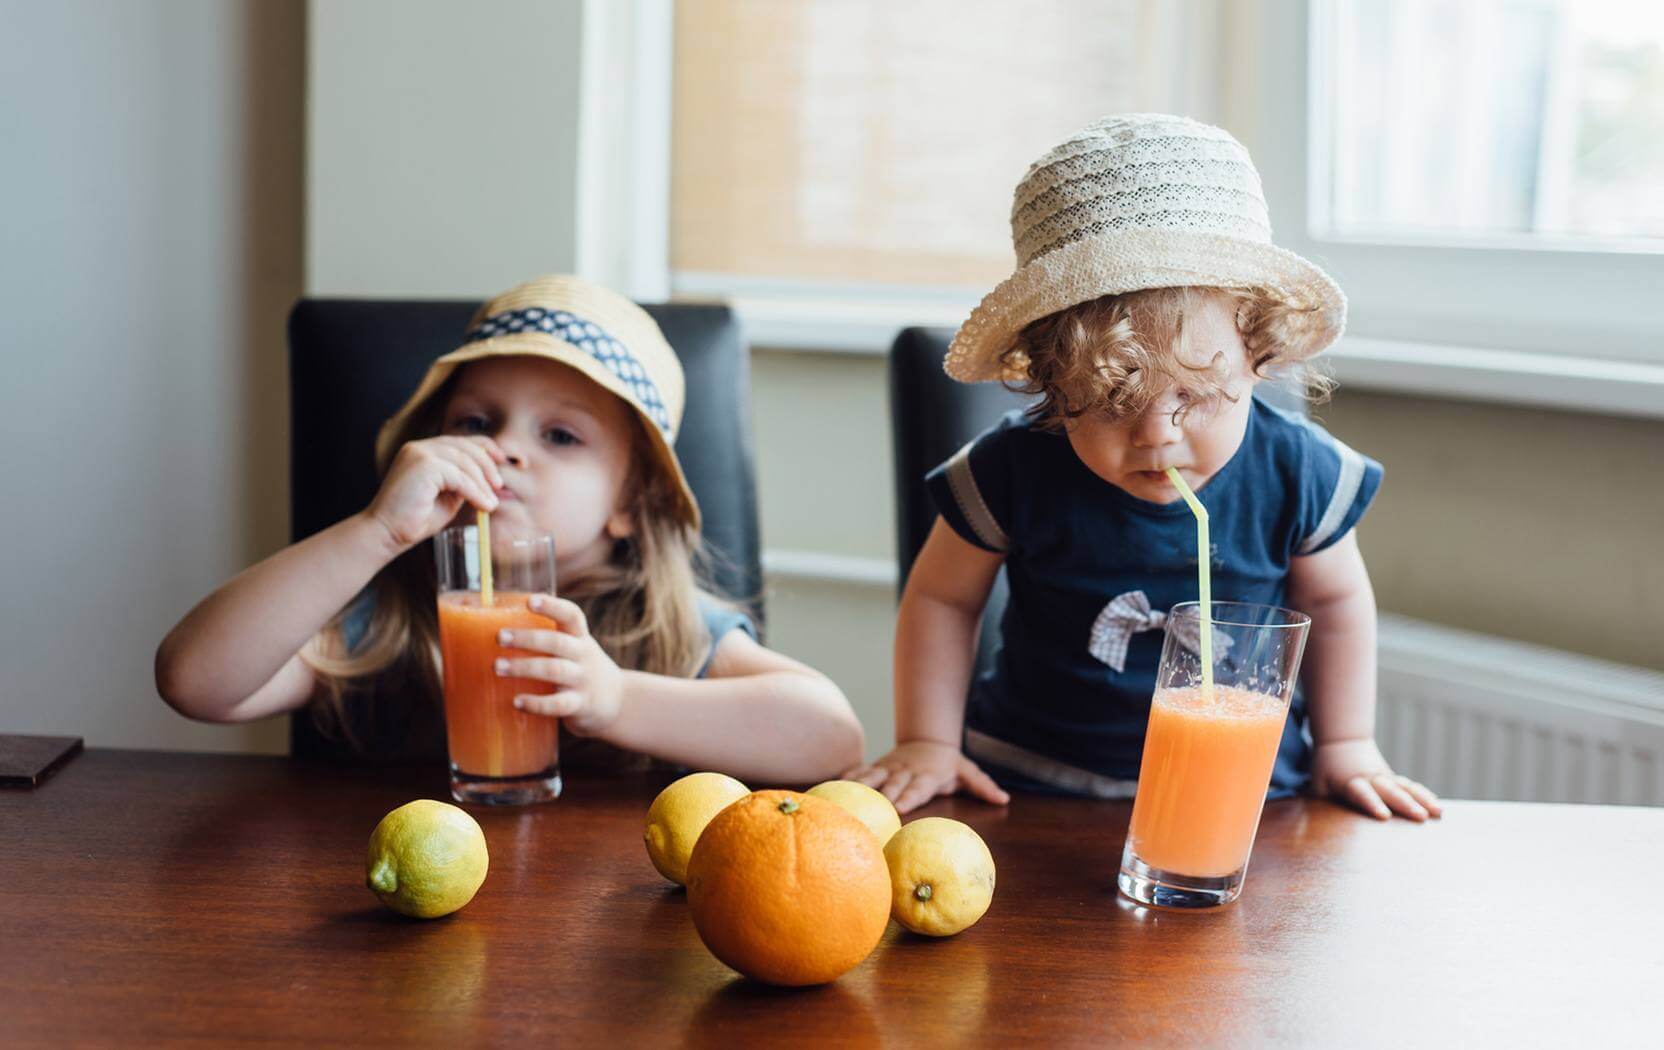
679 815
869 807
426 859
941 876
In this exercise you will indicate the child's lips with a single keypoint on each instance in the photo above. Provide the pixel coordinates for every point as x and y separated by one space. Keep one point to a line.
506 495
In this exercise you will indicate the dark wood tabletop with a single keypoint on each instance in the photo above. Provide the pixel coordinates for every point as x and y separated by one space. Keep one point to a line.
151 897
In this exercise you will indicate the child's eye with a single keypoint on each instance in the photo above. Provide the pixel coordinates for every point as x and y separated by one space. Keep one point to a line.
560 436
472 425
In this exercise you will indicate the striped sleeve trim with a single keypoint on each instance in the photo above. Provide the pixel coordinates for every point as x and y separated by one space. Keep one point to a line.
1346 490
971 504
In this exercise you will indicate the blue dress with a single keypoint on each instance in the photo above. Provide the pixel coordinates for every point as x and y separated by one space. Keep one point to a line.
1064 706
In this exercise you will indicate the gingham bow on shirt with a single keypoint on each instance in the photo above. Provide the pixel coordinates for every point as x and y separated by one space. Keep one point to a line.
1129 614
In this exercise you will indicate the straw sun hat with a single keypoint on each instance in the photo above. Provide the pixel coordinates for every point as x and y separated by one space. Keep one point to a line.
601 334
1136 201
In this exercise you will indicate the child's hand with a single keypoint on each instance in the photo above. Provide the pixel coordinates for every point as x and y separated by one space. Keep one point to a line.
429 481
589 686
916 772
1355 772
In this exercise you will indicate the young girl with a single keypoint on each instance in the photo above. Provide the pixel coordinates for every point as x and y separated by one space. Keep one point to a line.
556 415
1147 305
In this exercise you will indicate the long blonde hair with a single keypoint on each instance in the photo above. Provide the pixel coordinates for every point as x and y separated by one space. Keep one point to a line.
642 606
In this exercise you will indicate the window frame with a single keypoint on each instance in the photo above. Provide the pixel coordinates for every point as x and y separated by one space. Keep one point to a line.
1514 340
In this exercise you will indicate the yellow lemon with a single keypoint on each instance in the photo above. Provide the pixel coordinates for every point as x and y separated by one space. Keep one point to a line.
869 807
941 876
679 815
426 859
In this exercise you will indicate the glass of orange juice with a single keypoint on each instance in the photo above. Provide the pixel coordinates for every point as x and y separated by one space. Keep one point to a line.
499 755
1208 753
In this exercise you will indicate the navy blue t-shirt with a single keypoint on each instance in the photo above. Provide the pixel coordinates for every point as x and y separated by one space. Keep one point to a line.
1054 703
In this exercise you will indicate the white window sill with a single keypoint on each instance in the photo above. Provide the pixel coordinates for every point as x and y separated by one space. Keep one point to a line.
1560 381
1563 381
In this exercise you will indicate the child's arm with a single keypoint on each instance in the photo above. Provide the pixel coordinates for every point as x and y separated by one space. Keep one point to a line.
1332 587
235 656
757 714
936 630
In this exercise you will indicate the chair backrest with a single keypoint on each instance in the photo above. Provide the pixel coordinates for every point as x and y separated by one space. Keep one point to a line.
931 418
352 363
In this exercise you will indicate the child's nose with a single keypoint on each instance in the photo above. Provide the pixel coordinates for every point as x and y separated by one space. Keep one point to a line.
1156 428
511 448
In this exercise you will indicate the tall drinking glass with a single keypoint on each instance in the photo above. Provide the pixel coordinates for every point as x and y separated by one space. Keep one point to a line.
499 755
1208 753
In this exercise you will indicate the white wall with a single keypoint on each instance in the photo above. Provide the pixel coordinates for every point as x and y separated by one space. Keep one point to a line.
442 143
149 251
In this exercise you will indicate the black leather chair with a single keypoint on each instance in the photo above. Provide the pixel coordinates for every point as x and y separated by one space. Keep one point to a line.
352 363
931 418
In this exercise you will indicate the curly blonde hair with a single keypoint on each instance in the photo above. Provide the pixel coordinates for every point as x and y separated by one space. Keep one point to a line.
1114 355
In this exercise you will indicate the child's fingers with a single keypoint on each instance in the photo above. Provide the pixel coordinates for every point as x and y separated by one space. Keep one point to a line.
1359 792
1421 793
471 487
563 612
555 705
872 776
555 643
981 784
541 668
1394 795
493 450
458 473
483 452
896 783
920 790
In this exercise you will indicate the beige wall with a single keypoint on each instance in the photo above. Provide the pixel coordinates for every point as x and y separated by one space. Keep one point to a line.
1528 524
824 484
823 452
151 250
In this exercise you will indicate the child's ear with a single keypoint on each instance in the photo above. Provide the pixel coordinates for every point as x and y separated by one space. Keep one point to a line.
621 526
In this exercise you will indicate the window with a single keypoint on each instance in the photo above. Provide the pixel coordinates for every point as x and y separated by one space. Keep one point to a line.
867 150
1485 178
1540 297
1519 121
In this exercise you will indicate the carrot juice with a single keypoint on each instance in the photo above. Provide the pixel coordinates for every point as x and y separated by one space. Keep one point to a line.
1208 756
488 736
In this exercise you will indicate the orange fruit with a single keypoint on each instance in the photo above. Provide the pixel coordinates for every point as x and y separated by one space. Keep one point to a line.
788 889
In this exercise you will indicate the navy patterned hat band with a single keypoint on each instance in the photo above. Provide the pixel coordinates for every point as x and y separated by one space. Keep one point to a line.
587 336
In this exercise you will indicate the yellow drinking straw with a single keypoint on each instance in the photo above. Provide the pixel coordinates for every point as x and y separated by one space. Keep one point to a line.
484 521
1204 577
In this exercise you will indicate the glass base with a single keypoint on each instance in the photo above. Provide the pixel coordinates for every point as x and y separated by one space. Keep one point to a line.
1167 889
543 786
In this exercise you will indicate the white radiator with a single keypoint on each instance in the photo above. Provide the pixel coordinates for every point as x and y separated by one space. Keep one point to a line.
1474 716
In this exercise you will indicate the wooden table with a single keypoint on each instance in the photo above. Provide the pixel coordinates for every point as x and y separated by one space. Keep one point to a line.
151 897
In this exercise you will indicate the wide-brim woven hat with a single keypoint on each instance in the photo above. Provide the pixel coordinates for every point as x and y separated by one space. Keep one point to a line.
1137 201
595 331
